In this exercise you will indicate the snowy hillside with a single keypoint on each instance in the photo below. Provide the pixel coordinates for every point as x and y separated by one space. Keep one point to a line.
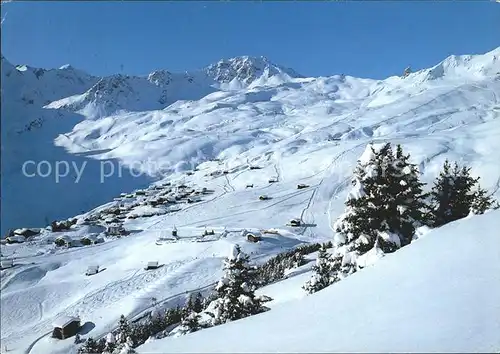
171 122
424 298
241 146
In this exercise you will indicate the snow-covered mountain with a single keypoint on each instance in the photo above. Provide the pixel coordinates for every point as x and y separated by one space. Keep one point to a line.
220 135
161 88
240 110
247 69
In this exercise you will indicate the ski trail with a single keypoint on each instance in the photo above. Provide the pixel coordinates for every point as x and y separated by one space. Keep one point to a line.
326 173
229 183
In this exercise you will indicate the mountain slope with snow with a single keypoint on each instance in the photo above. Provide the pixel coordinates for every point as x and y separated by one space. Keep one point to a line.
167 123
440 294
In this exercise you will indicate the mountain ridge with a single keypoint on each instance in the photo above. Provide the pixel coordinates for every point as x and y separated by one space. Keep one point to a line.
182 120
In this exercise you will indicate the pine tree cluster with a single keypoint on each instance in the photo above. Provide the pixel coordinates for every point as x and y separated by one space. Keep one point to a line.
130 335
456 194
234 298
274 269
236 290
390 202
386 206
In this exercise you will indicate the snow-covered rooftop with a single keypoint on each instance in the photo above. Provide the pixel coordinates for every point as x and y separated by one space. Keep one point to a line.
63 321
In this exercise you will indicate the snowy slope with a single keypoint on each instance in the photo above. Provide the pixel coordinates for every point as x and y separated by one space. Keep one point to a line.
278 121
440 294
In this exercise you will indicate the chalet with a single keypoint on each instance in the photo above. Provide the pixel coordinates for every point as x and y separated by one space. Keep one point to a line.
65 327
264 197
302 186
273 180
26 232
174 232
111 220
116 230
193 199
270 231
171 200
253 238
92 270
112 211
91 239
153 202
6 263
249 186
15 239
151 265
295 222
206 232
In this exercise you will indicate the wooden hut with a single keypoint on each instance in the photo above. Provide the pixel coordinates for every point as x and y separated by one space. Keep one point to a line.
115 230
92 270
193 200
6 263
253 238
151 265
15 239
26 232
295 222
206 232
65 327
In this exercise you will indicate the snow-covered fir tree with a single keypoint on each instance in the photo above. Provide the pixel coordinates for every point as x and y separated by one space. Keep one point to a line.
297 260
189 324
385 204
91 346
323 275
235 291
124 330
409 197
194 303
110 345
127 347
483 202
456 194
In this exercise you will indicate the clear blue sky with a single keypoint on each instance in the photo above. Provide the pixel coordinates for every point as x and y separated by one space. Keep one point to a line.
366 39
